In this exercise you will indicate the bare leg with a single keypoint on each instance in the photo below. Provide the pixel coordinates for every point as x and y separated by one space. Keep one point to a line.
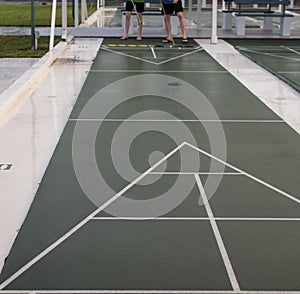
182 24
168 26
127 24
140 26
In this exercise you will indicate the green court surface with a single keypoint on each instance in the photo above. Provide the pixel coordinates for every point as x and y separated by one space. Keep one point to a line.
155 133
281 57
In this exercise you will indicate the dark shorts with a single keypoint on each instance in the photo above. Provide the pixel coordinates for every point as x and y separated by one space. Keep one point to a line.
171 8
140 6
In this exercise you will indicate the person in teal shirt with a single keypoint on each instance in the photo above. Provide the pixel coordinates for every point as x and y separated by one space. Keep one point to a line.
139 7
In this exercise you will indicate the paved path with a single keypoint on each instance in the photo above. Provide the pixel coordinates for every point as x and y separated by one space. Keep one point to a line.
12 68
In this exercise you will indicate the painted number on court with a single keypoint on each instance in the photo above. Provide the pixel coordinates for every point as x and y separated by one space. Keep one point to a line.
5 166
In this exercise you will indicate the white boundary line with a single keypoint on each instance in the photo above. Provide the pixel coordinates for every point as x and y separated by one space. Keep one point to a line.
264 219
143 292
290 72
153 52
292 50
182 120
225 257
246 174
156 71
199 173
84 221
268 54
270 48
182 55
127 55
149 61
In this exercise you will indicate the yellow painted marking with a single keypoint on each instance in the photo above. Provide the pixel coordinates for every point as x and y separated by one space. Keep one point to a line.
121 45
131 45
143 45
111 45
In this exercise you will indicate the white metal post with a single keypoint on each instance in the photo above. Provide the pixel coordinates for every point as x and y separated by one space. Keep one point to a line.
82 12
190 12
52 29
64 19
198 15
76 21
85 10
214 37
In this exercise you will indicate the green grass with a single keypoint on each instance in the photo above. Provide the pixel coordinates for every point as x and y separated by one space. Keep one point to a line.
20 14
20 46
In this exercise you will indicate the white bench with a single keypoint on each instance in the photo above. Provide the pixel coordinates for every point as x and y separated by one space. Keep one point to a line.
285 23
242 11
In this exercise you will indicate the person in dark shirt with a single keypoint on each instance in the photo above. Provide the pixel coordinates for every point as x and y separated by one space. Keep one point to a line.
169 7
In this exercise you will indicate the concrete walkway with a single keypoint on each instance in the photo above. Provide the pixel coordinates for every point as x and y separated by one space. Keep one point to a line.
33 113
12 68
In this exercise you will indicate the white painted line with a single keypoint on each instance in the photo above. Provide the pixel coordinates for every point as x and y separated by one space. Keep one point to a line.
156 71
109 218
149 61
226 260
199 173
127 55
143 292
269 54
287 195
292 50
84 221
153 52
269 46
243 219
123 292
272 219
290 72
182 120
180 56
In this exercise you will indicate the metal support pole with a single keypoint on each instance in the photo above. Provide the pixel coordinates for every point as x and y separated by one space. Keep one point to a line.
85 10
33 47
214 37
52 29
198 15
190 12
82 12
76 21
64 20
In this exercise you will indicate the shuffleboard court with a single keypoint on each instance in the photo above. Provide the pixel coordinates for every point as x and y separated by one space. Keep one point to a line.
170 177
281 57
